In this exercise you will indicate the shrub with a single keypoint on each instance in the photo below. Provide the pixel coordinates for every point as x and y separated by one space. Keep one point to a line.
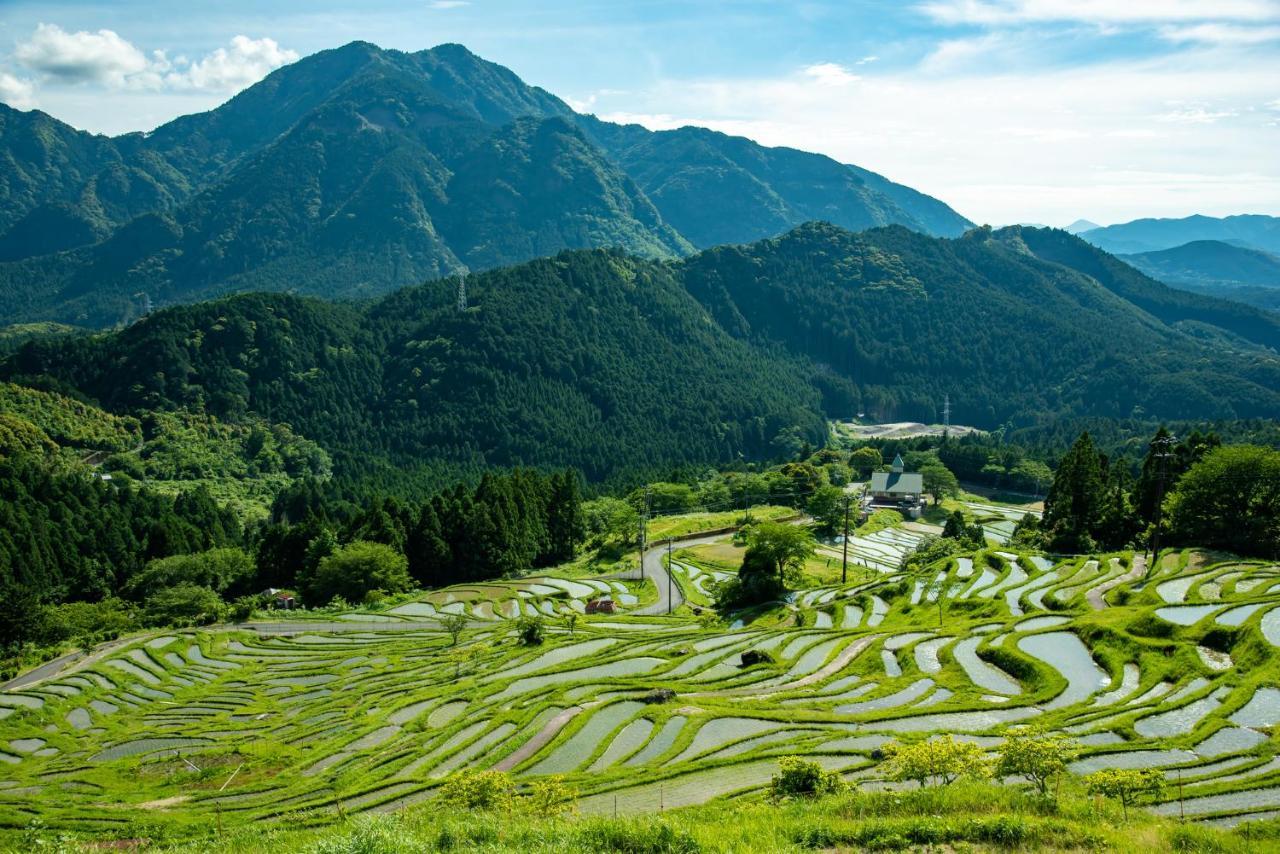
479 790
636 836
1034 754
935 761
531 630
1125 785
799 777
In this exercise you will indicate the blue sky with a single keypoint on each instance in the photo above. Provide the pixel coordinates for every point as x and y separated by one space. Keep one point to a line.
1010 110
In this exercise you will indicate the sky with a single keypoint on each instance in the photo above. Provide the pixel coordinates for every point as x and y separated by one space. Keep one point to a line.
1040 111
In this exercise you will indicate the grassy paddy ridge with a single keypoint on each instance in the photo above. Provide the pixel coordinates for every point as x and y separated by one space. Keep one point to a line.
172 735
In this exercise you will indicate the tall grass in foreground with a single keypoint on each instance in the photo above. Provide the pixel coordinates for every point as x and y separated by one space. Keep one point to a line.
962 817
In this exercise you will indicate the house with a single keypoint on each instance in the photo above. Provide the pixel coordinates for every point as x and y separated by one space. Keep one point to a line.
897 490
601 606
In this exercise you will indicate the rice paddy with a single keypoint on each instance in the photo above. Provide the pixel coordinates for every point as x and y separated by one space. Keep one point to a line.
311 720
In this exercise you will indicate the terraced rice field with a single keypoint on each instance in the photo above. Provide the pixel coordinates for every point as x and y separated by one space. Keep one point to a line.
307 721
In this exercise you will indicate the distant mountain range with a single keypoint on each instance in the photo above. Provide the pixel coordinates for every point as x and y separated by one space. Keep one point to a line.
1152 235
1216 268
359 170
1081 225
608 361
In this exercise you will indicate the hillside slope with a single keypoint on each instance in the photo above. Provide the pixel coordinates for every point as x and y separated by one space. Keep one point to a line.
1217 269
359 170
606 361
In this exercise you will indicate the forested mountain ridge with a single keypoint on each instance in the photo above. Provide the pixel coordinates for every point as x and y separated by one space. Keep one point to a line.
359 170
593 357
1216 268
605 361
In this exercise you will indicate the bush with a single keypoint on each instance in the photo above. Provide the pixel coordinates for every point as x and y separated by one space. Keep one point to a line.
1125 785
937 761
217 569
357 568
184 605
479 790
798 777
530 630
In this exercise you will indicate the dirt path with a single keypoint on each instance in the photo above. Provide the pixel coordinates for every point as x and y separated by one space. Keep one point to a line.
1097 596
533 745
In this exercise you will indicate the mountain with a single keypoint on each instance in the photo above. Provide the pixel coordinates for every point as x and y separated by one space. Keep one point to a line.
597 358
1152 235
1218 269
358 170
1081 225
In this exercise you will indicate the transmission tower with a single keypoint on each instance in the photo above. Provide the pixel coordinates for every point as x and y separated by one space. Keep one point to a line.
946 415
462 293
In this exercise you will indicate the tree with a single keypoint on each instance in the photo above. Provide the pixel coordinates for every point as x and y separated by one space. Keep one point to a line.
757 582
218 569
565 522
937 761
1230 500
798 777
610 520
783 547
939 481
571 622
530 630
183 605
1073 507
1034 754
958 529
865 460
1026 532
1125 785
454 624
357 569
827 508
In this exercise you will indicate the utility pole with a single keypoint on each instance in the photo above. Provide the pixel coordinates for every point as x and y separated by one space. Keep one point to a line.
844 560
644 531
670 540
1162 453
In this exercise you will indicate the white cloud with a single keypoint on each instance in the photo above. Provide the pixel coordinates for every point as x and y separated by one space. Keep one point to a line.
1116 140
867 60
830 74
231 69
447 4
16 92
1220 34
1005 12
102 57
1194 114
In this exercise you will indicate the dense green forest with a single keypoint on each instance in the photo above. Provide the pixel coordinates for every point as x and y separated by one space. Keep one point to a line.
616 365
592 359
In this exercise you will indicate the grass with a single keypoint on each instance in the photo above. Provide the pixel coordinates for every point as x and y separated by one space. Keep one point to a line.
302 734
965 816
684 524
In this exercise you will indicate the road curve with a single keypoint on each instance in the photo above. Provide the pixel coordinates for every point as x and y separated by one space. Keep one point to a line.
670 596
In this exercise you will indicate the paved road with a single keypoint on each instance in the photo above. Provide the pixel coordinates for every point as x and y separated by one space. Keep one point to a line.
63 664
655 570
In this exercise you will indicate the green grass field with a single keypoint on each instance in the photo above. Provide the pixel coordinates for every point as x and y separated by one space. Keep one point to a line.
339 730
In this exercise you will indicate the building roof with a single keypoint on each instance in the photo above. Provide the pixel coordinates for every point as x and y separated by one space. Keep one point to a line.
897 483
